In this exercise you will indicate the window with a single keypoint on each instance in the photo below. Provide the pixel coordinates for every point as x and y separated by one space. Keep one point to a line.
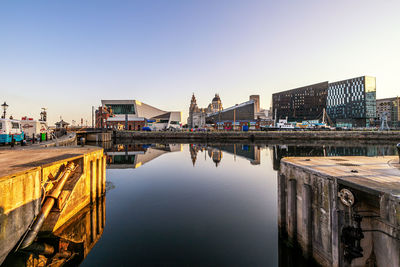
1 125
122 108
15 125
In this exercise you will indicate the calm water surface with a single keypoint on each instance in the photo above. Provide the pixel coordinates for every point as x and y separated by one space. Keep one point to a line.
192 206
198 205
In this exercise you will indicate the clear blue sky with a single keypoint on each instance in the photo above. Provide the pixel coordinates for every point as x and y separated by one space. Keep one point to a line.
68 55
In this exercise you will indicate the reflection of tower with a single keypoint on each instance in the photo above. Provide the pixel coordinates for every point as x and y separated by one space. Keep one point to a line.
216 155
257 156
193 153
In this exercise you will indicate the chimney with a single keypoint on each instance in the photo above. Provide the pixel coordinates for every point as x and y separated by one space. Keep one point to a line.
256 99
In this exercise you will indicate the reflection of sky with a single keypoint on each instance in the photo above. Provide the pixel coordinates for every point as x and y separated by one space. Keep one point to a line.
168 211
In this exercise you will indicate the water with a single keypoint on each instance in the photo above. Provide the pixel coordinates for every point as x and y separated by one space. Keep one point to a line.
192 205
200 205
219 211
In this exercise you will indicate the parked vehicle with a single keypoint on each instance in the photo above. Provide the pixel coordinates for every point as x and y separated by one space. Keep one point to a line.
10 129
33 128
284 124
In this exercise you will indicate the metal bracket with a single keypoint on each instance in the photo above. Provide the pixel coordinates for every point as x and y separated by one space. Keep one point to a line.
346 197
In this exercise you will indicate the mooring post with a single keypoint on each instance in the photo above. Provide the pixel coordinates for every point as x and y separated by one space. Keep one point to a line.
398 150
12 141
83 140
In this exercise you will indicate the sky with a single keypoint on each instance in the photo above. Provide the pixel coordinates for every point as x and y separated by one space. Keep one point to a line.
68 55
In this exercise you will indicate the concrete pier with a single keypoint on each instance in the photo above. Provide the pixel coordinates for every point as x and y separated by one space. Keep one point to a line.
99 137
28 176
342 211
258 135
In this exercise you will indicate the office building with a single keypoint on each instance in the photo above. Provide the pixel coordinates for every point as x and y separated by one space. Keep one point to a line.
300 104
352 102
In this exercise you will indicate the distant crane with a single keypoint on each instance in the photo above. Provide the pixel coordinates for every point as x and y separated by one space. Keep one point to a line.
326 119
384 122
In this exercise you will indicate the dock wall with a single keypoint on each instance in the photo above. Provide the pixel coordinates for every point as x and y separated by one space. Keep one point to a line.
259 135
22 191
312 216
20 197
66 140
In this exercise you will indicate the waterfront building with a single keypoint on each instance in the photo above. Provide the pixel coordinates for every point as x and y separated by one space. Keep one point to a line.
61 124
134 115
300 104
242 111
246 114
197 116
352 102
389 108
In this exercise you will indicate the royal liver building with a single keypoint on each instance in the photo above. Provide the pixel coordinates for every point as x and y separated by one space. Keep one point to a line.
197 116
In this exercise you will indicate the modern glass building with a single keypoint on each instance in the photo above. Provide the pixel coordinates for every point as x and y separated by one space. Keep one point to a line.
134 115
352 102
299 104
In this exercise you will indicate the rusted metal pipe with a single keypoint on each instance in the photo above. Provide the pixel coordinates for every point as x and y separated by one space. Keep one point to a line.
40 248
48 205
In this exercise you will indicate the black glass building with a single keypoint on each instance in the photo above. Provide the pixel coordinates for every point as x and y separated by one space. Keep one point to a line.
299 104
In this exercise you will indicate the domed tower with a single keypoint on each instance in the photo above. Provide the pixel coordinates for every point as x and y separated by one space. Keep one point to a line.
216 104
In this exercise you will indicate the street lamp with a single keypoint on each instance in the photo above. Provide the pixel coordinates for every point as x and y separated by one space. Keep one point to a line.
5 106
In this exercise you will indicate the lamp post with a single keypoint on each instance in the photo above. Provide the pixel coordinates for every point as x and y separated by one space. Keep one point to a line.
5 106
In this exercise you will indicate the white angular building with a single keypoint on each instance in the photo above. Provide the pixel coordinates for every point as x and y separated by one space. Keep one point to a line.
134 115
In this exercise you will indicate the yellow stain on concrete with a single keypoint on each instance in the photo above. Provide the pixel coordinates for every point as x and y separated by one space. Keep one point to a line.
24 172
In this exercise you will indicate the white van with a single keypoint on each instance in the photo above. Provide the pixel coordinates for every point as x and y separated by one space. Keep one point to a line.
10 129
33 128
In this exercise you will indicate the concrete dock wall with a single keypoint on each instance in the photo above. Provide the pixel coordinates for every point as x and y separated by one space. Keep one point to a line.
66 140
98 137
19 204
312 215
260 135
305 212
27 174
83 188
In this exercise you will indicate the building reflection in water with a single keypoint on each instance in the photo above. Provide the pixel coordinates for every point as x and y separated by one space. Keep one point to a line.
123 156
68 245
134 155
215 152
